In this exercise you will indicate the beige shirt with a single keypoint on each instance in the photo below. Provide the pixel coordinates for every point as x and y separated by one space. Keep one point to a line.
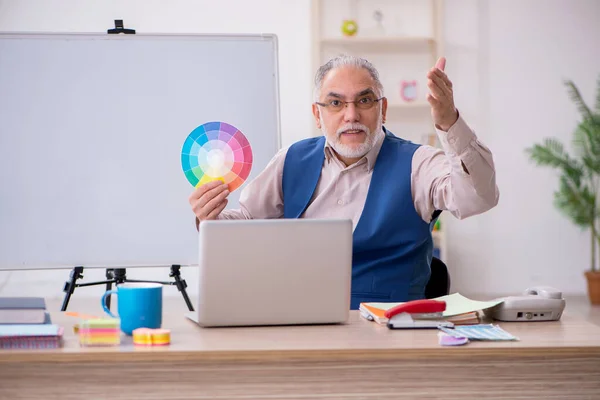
439 182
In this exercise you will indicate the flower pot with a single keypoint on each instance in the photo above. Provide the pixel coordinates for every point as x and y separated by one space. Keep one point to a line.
593 281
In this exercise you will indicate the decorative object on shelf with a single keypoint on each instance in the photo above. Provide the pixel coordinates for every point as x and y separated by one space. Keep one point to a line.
378 17
349 27
408 90
579 182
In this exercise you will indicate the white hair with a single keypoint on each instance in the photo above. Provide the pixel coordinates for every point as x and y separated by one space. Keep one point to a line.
341 61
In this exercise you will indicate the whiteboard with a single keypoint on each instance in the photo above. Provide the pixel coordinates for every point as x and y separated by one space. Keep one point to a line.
91 135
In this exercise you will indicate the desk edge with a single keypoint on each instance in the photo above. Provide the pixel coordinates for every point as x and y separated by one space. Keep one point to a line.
104 355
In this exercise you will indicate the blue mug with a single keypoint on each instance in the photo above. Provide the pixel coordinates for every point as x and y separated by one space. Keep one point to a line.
139 305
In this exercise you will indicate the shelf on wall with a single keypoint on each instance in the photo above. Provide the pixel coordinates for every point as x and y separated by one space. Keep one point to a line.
374 41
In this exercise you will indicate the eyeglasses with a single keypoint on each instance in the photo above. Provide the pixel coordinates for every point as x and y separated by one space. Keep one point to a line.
364 103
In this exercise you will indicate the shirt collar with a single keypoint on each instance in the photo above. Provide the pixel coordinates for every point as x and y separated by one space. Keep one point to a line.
371 155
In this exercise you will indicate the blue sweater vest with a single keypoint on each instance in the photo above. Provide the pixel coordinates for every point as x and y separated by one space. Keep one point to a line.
392 245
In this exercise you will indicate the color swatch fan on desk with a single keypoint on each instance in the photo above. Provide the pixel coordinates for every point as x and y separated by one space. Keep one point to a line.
216 151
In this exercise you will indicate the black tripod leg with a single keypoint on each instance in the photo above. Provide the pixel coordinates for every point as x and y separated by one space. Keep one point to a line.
109 277
70 286
181 285
185 295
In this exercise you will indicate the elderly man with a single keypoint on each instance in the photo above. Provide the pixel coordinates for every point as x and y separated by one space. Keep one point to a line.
393 190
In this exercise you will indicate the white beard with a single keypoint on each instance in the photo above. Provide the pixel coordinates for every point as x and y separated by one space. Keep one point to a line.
354 150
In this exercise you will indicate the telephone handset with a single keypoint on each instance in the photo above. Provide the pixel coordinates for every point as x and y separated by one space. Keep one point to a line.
538 303
544 291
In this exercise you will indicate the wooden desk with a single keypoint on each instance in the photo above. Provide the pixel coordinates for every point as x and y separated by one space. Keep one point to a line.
361 360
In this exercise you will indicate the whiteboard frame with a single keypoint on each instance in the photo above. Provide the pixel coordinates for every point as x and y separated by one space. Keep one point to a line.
170 36
166 36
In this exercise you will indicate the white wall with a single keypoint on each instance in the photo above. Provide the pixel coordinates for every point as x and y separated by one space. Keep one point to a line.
507 60
525 49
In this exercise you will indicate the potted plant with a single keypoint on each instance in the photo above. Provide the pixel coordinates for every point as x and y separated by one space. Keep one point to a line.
579 182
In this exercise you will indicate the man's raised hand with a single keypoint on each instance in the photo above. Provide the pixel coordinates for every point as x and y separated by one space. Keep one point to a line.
441 97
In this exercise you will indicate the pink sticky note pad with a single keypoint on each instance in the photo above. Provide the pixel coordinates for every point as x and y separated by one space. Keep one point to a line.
447 340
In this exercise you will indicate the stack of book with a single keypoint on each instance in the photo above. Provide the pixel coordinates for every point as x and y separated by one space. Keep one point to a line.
23 310
31 336
25 324
459 310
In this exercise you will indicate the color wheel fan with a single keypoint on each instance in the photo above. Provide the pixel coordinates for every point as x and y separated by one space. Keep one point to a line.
216 151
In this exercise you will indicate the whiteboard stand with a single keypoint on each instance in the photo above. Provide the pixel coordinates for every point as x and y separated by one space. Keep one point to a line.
117 276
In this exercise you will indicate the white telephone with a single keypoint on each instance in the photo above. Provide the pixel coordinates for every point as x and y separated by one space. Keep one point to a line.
540 303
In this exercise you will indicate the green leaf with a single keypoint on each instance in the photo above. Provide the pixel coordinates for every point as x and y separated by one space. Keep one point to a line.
577 203
552 153
586 141
574 94
591 164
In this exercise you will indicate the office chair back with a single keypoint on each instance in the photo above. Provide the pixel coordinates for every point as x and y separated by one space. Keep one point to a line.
439 281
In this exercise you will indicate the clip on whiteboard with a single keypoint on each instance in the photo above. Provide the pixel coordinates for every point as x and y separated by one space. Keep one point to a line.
120 29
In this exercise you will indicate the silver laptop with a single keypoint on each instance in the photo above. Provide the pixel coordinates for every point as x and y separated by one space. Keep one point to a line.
274 272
